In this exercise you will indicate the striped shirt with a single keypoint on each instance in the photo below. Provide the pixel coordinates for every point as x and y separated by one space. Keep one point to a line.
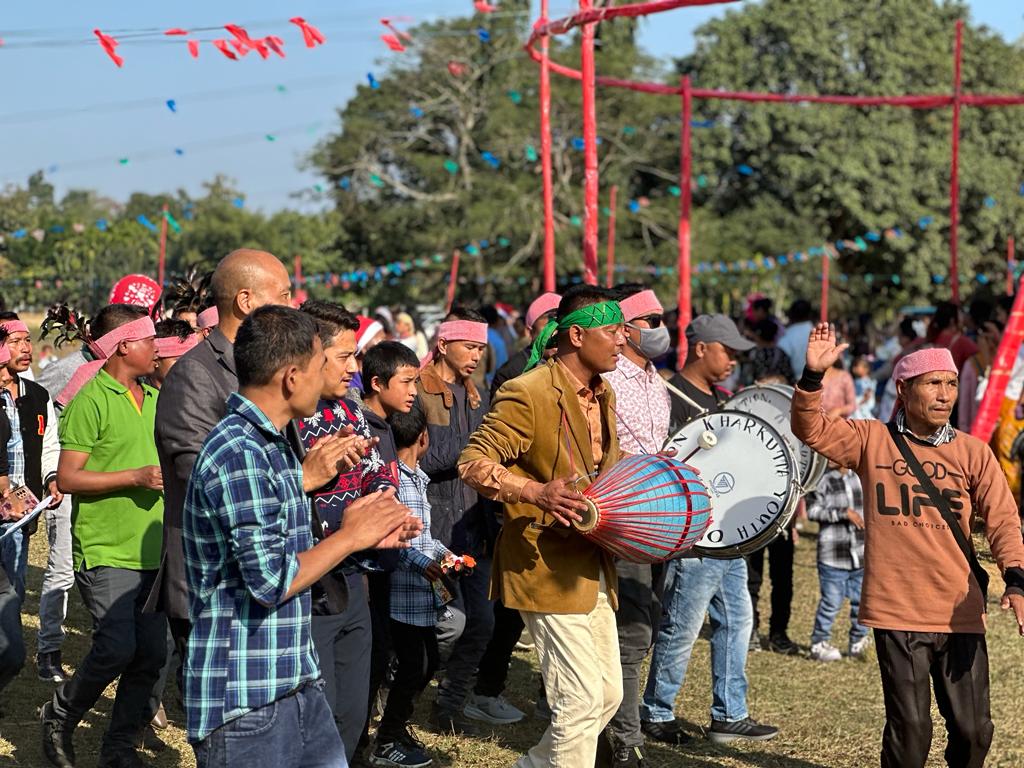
941 436
840 542
246 520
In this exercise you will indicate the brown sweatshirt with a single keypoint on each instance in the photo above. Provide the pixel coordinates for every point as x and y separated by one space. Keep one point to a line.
916 579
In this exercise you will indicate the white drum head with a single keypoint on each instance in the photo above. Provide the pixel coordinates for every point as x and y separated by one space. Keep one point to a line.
751 475
773 403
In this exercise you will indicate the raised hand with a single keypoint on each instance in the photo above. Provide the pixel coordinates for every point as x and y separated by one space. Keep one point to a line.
822 350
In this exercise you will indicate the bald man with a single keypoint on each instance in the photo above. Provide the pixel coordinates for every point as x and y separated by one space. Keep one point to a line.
192 401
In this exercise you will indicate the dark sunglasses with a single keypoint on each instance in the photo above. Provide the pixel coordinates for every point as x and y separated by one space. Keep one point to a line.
654 321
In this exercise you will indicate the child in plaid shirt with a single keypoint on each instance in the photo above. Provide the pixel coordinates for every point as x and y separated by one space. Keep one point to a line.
415 606
838 506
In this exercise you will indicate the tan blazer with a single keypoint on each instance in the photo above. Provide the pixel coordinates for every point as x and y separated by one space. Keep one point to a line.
539 564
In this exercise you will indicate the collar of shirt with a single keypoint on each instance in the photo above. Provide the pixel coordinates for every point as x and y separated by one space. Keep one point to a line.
418 473
581 389
941 436
248 410
631 370
116 386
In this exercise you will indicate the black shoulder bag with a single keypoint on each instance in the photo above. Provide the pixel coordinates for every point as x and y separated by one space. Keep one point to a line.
940 503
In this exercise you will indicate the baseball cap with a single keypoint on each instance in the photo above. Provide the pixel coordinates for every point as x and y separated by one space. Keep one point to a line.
712 328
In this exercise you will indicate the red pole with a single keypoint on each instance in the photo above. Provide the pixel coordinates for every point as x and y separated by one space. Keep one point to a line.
954 175
545 152
298 271
611 235
453 281
1002 367
1010 264
685 172
162 259
824 286
590 173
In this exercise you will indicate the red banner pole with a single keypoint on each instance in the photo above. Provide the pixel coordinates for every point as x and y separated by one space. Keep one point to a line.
1010 264
685 195
162 258
453 281
590 172
988 412
613 199
545 152
954 175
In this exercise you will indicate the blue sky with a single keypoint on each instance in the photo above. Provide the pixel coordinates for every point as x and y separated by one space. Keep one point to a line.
53 113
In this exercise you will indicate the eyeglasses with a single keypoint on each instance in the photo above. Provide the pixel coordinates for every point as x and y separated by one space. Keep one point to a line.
654 321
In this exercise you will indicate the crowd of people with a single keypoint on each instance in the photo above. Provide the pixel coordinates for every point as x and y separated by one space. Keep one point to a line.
296 518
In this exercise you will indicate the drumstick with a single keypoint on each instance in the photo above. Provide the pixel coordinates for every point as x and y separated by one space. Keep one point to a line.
706 441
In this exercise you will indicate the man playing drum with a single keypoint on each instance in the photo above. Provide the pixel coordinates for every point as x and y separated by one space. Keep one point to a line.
642 410
924 591
550 431
695 586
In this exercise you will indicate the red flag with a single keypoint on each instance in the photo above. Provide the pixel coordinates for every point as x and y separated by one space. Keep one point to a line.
275 43
222 46
393 43
193 48
310 34
176 31
456 69
240 46
109 44
484 7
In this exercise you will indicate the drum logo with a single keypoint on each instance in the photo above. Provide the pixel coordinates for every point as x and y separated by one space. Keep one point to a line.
723 482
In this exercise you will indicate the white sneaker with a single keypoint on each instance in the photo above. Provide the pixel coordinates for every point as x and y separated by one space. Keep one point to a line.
492 709
859 649
825 651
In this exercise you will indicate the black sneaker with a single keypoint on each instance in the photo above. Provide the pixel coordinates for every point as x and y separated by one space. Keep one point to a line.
57 743
447 721
783 645
49 668
397 753
723 731
628 757
668 732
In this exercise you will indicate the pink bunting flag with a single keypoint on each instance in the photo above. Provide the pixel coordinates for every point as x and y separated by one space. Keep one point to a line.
222 46
393 43
456 69
310 34
193 48
176 31
484 7
276 44
109 45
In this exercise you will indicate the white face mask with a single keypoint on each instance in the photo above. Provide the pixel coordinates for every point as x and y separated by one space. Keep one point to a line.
654 342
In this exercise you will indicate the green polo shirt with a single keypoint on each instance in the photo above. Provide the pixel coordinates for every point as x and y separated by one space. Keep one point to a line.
123 529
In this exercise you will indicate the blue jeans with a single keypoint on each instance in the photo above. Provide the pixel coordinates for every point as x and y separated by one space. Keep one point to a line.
14 555
693 587
297 731
837 584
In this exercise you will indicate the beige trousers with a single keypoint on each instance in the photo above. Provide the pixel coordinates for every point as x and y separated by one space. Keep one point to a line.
579 661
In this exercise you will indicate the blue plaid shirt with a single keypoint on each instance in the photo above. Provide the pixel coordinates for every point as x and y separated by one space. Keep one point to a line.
413 600
246 520
15 446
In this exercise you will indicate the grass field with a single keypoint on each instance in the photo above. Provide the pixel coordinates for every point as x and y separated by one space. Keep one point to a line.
830 714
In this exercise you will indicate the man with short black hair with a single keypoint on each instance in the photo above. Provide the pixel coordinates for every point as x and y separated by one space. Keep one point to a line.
250 562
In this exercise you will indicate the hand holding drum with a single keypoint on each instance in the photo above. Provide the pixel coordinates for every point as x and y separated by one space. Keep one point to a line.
560 498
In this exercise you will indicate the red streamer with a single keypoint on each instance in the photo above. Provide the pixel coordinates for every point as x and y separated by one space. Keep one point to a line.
222 46
193 48
109 45
276 44
484 7
393 43
988 412
176 31
310 34
455 69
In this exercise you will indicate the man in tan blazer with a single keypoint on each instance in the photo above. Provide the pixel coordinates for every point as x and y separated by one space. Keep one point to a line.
549 433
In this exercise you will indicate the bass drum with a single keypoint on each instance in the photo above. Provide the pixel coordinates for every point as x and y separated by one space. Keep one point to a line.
773 403
751 473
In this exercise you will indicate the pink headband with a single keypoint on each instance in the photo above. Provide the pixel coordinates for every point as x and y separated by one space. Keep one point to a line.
924 361
548 302
5 354
15 326
641 304
136 330
208 318
173 346
463 330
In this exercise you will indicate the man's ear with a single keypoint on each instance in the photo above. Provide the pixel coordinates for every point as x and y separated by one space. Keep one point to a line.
243 300
442 346
288 380
576 336
700 349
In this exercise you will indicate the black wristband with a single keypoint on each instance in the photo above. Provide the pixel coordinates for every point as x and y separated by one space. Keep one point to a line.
1014 578
811 380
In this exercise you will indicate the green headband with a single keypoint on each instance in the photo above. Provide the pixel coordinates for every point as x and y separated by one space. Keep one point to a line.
591 316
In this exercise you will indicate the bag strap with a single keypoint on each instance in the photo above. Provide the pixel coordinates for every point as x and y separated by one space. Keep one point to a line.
942 504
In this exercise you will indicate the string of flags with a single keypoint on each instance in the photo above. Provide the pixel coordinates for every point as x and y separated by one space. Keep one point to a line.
39 234
239 45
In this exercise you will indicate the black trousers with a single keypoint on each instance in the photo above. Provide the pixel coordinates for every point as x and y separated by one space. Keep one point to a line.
639 612
956 665
780 570
127 645
493 671
12 640
417 656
